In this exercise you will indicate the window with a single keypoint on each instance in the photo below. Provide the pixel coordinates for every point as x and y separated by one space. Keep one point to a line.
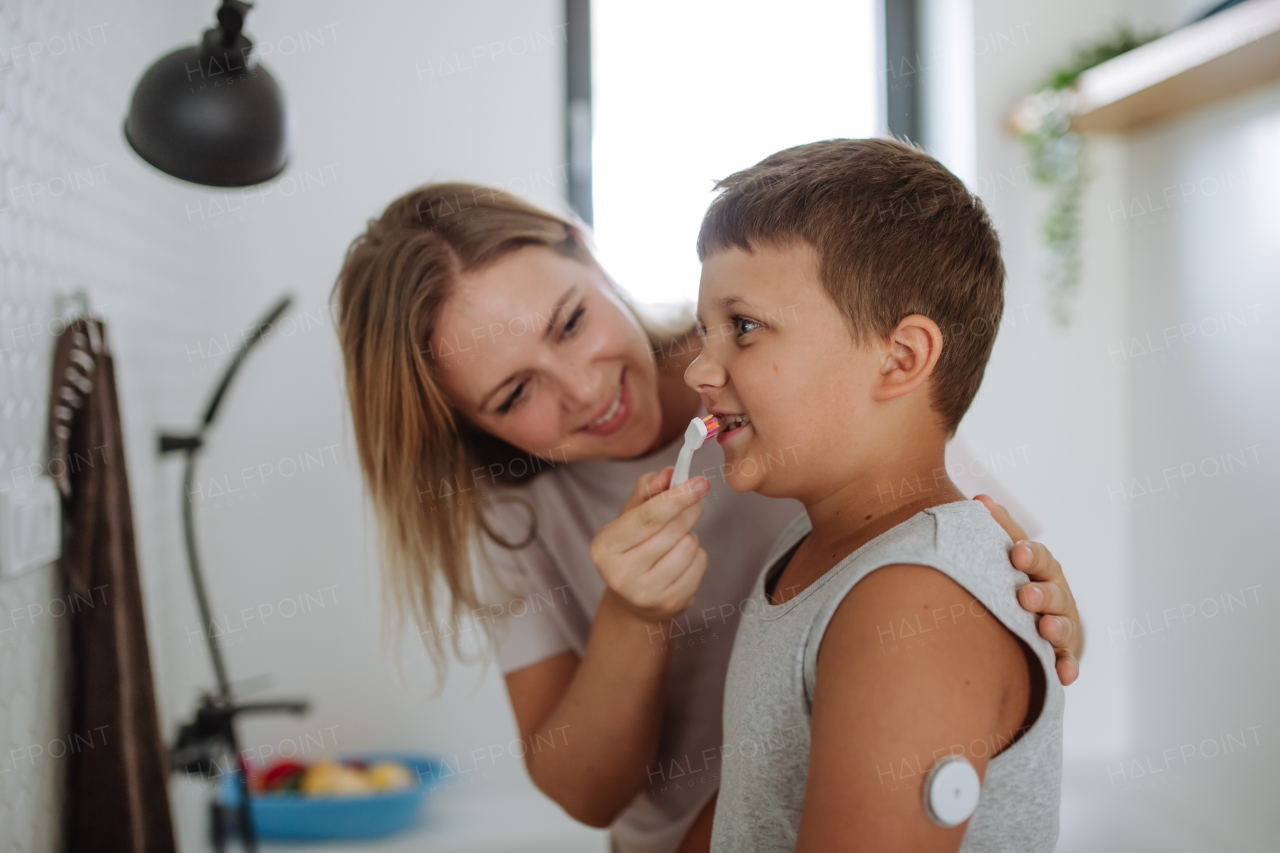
687 92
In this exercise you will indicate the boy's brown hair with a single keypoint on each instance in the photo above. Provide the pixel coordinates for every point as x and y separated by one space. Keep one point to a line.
896 234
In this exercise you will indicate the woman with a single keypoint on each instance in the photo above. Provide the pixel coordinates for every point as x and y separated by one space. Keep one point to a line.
508 401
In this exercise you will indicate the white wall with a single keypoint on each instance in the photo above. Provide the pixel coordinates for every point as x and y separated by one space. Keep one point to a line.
1204 266
1111 404
1051 414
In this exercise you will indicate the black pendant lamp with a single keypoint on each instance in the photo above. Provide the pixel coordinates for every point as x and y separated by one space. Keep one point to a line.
209 113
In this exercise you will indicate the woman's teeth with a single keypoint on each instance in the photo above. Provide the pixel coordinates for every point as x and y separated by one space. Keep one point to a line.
728 422
613 410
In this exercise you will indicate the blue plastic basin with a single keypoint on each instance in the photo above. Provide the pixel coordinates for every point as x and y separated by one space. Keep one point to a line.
319 816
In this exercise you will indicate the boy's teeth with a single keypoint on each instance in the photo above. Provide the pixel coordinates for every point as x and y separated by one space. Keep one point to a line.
728 422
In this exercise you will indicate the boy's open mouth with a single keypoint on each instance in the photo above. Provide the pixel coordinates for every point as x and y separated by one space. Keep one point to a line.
729 424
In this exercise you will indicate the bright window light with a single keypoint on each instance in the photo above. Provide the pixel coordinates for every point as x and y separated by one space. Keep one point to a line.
687 92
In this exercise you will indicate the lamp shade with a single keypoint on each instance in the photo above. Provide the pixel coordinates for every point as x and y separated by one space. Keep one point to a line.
209 114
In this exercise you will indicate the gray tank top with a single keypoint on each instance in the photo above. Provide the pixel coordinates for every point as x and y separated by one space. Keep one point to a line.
773 669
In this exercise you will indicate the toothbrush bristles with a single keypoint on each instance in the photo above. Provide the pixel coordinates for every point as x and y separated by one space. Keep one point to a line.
713 426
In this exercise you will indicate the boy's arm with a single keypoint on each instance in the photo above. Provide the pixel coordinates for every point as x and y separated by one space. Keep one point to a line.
884 713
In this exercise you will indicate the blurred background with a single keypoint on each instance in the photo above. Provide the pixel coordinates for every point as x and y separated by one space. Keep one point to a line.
1130 408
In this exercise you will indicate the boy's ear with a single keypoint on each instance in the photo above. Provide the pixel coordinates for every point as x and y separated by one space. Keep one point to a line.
909 356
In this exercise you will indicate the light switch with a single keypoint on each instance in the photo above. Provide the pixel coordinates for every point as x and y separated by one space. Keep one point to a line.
30 526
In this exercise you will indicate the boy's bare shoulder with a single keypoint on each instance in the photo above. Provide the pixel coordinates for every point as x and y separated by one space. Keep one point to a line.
920 664
915 617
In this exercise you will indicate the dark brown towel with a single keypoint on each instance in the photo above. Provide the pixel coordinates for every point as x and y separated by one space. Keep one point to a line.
117 794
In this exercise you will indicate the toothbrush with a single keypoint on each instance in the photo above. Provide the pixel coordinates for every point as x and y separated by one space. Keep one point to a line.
699 431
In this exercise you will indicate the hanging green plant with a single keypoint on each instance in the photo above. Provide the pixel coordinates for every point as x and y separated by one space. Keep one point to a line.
1043 123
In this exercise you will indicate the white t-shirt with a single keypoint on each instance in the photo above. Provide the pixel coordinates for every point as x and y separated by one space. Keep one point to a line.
554 590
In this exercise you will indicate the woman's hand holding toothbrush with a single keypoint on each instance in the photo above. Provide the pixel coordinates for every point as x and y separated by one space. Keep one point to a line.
649 555
611 696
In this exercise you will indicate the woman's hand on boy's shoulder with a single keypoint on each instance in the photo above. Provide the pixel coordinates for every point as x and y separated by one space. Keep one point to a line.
1048 594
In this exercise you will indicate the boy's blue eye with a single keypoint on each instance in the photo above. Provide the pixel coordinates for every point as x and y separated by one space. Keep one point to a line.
743 325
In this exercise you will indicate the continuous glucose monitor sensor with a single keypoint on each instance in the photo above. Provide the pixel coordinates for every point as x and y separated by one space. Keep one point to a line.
951 791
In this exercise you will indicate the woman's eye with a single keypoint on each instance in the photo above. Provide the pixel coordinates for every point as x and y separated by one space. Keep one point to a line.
511 400
573 321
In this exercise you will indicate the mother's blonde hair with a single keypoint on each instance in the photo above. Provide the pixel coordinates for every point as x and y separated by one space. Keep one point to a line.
393 282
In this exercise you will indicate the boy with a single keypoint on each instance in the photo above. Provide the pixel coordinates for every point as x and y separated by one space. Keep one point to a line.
851 290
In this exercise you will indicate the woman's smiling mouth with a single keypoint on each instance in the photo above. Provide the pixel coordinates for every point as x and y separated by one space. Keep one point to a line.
615 414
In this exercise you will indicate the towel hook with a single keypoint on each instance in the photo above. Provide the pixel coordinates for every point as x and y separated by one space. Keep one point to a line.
71 305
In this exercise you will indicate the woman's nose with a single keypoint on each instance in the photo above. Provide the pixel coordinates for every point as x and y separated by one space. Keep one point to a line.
582 383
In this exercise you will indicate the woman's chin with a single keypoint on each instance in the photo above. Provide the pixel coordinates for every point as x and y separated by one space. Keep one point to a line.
643 440
641 434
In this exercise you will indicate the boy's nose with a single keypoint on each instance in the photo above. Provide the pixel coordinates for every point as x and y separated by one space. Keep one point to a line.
704 373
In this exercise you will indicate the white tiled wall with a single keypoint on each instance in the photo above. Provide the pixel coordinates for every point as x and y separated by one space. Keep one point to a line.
172 272
78 212
31 653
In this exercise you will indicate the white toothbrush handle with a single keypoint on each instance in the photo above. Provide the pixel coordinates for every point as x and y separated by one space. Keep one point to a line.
683 461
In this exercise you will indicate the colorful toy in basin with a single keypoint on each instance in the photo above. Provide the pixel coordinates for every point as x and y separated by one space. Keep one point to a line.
362 797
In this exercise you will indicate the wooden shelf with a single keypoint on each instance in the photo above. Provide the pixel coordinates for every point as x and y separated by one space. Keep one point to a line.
1211 59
